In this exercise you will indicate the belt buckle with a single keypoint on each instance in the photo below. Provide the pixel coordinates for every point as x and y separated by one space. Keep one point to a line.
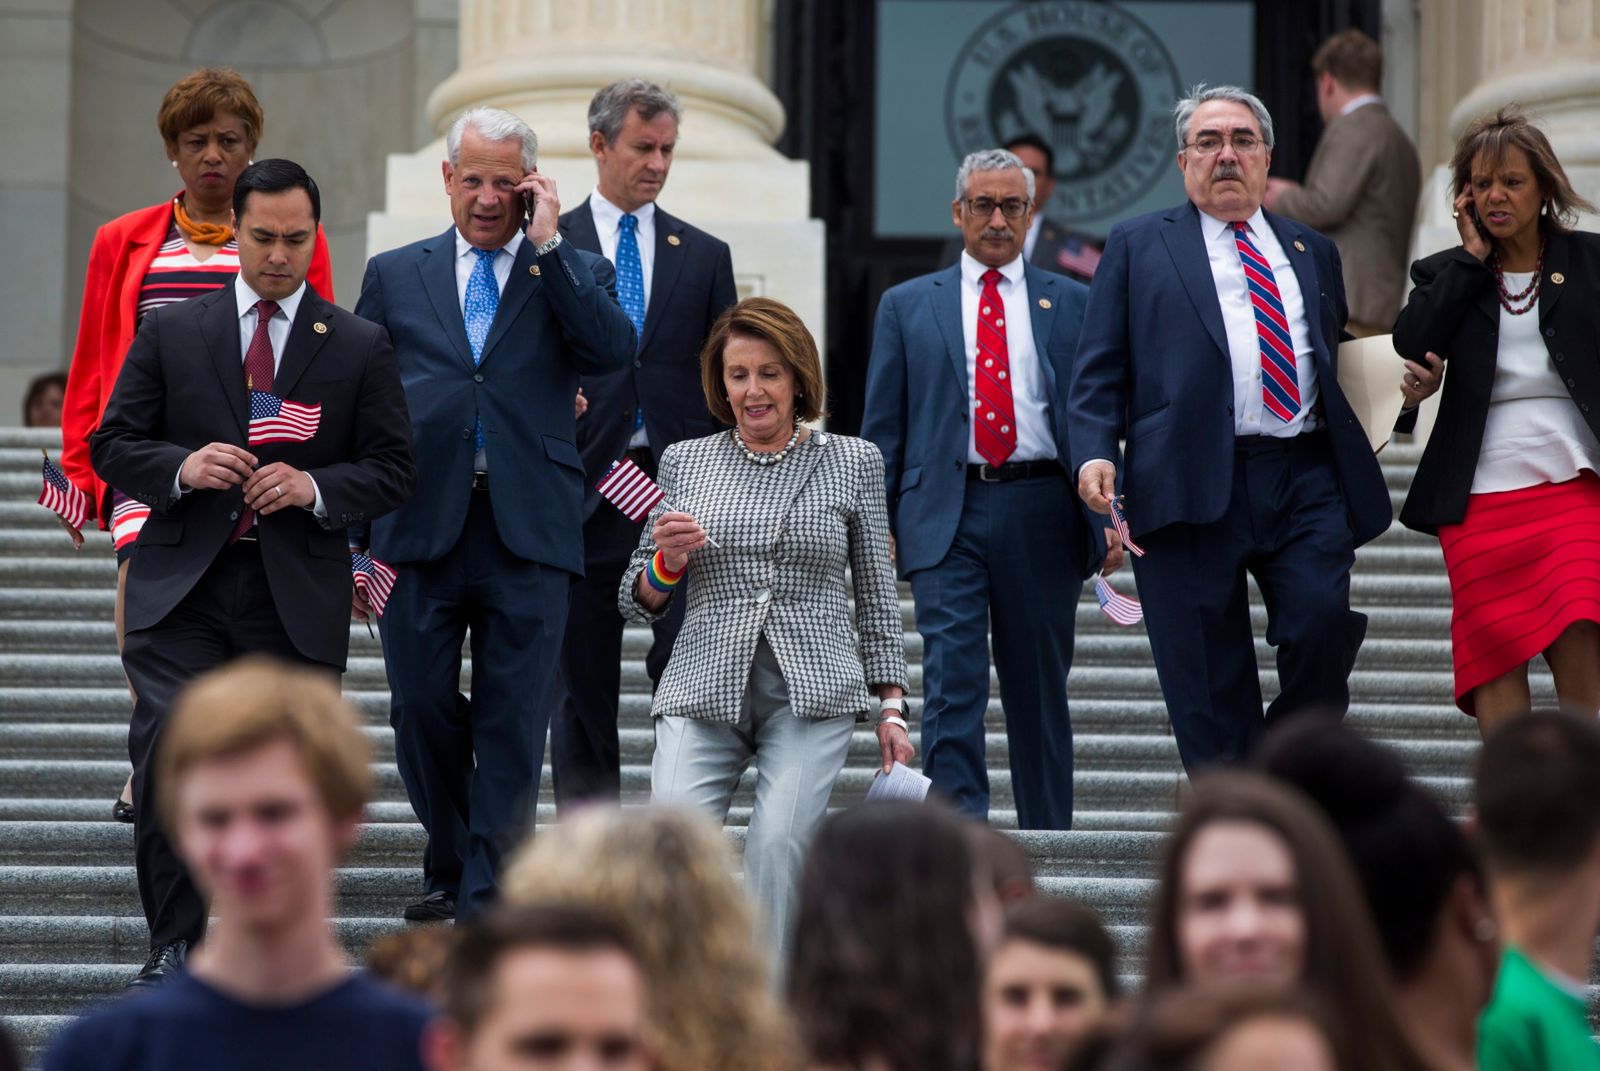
984 471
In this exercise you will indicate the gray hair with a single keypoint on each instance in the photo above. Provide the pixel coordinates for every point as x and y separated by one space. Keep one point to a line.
1183 113
610 107
493 124
990 160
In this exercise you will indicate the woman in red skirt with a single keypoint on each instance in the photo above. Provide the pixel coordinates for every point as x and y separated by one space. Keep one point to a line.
1509 479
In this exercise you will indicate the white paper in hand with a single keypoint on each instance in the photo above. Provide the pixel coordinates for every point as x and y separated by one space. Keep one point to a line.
900 783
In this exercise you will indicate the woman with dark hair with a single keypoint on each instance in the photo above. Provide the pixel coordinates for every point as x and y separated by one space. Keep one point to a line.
1422 878
1510 479
894 920
1255 886
1234 1027
210 124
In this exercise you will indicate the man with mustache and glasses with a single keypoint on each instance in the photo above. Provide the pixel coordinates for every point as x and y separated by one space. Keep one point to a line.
966 397
1209 345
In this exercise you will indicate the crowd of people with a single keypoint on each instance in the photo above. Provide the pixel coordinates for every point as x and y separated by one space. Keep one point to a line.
270 465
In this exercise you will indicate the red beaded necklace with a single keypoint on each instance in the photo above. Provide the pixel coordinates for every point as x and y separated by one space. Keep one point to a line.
1508 300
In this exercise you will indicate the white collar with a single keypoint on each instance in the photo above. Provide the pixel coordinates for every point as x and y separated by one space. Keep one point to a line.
1359 102
972 269
1212 227
245 298
608 217
463 247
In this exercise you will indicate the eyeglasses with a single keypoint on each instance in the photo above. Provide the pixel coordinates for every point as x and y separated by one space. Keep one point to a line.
1211 144
1011 207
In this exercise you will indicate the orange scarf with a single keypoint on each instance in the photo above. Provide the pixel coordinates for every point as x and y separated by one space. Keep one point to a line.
217 234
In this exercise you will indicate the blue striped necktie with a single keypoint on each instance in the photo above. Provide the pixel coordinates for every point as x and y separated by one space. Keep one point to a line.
1280 382
630 286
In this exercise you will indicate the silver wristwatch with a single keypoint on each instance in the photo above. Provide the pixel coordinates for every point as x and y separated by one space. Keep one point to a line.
545 247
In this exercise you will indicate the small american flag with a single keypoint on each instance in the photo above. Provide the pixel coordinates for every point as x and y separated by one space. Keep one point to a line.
274 420
58 494
1080 258
1119 521
1122 609
630 490
127 517
373 579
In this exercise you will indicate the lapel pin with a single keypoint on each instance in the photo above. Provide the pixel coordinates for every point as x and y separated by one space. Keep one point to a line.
673 239
1557 278
1299 245
533 269
320 328
1044 303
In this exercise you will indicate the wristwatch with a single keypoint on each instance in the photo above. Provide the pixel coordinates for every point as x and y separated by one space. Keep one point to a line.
544 247
890 709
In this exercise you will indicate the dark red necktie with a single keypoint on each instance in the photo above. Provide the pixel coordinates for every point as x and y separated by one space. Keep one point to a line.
258 375
995 418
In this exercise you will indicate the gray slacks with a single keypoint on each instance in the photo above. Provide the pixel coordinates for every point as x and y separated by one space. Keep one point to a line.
698 764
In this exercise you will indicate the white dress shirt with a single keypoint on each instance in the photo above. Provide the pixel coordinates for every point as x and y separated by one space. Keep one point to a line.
1239 321
278 329
1533 432
608 225
1034 439
466 260
1360 102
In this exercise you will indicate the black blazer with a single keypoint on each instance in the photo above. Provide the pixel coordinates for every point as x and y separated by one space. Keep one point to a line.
182 386
692 285
1454 311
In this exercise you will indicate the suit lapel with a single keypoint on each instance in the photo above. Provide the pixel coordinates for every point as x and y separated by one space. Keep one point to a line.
1186 244
1556 262
664 275
219 326
578 228
519 287
438 268
1305 272
304 341
1040 288
947 313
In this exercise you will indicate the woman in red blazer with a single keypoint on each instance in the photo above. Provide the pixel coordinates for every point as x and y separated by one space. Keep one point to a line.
210 122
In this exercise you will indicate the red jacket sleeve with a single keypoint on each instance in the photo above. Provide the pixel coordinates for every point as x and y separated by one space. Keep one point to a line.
80 412
320 274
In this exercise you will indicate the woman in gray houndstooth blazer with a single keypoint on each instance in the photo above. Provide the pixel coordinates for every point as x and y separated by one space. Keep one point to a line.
770 664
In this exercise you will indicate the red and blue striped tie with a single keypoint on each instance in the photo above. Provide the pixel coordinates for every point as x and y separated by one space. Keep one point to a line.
1280 383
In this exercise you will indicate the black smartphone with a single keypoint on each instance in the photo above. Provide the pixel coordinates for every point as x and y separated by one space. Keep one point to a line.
528 201
1478 223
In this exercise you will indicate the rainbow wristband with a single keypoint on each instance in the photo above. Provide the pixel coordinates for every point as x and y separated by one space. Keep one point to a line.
658 576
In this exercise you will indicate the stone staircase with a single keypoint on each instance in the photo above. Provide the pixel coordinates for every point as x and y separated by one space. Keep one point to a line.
71 931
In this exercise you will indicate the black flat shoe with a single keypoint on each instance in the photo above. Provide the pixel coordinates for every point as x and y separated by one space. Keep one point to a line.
164 962
435 907
122 811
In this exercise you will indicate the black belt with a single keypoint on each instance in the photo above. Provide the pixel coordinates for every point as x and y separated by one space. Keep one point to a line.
1315 439
480 481
1015 470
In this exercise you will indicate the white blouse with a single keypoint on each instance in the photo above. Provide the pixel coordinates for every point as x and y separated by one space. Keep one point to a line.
1534 433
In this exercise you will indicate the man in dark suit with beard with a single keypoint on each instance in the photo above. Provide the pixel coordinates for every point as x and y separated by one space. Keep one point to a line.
673 281
258 423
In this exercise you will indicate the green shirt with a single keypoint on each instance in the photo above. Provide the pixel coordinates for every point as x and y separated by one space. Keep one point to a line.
1533 1024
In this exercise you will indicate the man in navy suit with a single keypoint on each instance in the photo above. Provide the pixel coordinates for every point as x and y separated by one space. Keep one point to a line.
492 321
966 395
673 281
1209 345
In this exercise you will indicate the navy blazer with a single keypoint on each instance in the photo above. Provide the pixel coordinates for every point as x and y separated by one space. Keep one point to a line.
558 317
691 286
918 405
182 386
1153 368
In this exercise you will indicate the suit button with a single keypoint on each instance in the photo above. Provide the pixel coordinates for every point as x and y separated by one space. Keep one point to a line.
763 595
638 364
1230 410
478 377
1572 382
233 516
466 433
1561 356
1549 332
958 466
1584 407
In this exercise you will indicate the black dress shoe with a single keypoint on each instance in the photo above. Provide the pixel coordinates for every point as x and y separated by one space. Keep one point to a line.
435 907
165 961
122 811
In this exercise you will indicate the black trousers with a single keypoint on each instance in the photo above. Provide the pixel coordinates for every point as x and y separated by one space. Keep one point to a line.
471 766
585 760
228 613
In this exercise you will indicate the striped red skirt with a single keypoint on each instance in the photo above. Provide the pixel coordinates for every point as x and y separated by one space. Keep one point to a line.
1523 566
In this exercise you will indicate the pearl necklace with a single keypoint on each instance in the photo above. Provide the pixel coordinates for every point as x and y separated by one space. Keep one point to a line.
759 458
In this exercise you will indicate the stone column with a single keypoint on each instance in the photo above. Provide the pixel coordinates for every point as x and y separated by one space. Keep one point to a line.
544 60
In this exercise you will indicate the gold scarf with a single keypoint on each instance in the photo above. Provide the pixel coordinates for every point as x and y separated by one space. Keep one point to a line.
218 234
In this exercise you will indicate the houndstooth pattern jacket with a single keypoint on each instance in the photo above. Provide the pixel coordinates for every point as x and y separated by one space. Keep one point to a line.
786 533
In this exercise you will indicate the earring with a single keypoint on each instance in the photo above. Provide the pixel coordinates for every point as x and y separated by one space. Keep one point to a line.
1485 931
174 163
1544 207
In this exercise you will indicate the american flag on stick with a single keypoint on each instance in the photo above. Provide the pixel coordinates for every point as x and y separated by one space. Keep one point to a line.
276 420
58 494
1123 609
1119 521
628 488
373 579
127 517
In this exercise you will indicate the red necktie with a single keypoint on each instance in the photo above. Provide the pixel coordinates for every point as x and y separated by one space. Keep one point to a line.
994 419
1280 384
258 375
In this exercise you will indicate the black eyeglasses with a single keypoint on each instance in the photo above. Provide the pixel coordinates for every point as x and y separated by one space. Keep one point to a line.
1011 207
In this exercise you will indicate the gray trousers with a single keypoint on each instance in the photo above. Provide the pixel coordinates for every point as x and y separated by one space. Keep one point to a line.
698 764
